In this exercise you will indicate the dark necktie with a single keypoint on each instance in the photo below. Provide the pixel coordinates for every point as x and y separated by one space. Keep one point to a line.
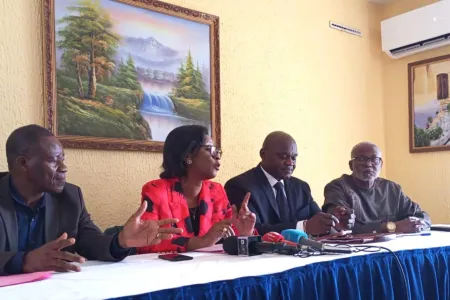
283 206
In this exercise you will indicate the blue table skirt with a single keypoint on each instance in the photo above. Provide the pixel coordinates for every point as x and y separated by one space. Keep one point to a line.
376 276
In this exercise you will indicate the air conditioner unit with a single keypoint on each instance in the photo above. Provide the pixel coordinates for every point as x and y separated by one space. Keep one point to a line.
419 30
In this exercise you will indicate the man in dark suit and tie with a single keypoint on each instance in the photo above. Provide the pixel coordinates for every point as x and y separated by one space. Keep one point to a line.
44 224
279 200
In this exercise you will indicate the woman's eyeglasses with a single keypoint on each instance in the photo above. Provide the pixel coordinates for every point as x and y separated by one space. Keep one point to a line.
215 152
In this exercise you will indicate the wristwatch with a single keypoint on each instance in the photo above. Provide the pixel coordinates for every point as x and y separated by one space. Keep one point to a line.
391 227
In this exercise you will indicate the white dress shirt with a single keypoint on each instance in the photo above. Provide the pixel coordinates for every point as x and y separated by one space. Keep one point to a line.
272 182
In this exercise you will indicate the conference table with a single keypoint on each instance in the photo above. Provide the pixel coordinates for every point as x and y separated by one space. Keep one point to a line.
424 259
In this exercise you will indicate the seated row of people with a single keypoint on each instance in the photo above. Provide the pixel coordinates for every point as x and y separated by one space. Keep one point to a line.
45 225
362 201
281 201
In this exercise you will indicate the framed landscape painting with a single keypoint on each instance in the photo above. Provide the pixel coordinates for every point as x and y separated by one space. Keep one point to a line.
429 104
122 74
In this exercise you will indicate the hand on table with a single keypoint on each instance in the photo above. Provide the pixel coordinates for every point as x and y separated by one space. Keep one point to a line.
409 225
321 223
346 217
49 257
139 233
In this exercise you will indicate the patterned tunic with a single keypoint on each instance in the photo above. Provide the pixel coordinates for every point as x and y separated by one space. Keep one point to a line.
165 199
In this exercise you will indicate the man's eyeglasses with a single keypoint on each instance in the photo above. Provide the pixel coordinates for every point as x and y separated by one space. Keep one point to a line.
215 152
361 160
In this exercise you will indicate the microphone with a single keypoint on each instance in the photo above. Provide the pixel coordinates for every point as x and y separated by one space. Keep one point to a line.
301 238
252 245
275 237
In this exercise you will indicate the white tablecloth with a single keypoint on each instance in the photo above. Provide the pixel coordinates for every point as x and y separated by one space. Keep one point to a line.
146 273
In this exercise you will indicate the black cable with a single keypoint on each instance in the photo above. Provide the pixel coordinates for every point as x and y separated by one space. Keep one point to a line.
377 249
408 296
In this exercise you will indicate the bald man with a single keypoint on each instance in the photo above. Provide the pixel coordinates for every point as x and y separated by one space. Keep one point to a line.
279 200
379 204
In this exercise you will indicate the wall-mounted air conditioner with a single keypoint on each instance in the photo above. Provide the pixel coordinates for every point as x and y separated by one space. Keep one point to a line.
419 30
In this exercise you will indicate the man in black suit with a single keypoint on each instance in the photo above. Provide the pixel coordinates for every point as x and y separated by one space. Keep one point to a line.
44 224
279 200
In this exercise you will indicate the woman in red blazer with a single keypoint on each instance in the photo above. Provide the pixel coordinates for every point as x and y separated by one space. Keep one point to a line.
184 192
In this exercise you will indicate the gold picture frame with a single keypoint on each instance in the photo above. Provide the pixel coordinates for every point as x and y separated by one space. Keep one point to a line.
429 105
120 74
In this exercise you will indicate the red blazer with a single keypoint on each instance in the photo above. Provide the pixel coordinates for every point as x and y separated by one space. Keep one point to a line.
165 200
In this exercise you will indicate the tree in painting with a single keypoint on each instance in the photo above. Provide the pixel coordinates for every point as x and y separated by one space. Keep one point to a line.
116 80
89 32
189 94
93 100
189 83
127 76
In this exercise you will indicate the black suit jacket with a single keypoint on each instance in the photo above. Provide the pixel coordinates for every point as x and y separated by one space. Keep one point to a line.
64 212
263 204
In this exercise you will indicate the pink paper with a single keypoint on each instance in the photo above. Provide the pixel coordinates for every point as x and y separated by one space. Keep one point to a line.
23 278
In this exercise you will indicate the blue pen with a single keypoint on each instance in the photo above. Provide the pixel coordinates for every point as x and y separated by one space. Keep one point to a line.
415 234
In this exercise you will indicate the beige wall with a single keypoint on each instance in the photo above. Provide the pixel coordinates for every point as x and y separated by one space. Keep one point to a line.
424 176
282 68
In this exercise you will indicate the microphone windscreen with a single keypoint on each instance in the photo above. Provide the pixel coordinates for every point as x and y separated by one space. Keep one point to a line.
301 238
293 235
273 237
230 245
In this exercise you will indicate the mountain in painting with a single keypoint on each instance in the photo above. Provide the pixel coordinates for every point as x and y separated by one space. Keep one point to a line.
149 53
